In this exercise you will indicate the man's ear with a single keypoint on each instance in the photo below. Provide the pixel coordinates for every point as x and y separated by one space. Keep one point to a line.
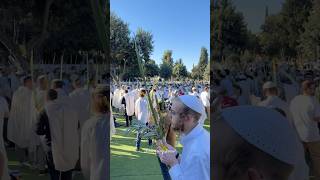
254 174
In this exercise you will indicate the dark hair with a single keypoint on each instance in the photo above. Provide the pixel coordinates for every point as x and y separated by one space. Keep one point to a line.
27 78
52 94
58 84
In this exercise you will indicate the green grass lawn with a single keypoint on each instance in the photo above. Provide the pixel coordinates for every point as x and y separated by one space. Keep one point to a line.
27 173
128 164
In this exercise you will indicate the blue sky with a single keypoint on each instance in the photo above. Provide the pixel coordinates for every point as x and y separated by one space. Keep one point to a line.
254 11
182 26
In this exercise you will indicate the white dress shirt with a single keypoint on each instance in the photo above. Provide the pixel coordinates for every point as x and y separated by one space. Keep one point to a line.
195 157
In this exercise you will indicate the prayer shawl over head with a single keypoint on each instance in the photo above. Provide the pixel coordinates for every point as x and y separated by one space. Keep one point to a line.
141 110
130 103
80 100
63 121
94 138
22 118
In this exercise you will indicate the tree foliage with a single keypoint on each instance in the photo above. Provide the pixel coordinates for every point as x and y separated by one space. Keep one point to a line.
310 39
179 70
165 70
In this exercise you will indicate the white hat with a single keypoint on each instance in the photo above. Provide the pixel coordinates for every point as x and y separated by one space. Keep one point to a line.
193 103
269 85
266 129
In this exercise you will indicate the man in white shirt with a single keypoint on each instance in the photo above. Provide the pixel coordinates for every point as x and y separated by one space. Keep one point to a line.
22 119
194 162
194 92
306 115
270 90
205 98
142 114
272 101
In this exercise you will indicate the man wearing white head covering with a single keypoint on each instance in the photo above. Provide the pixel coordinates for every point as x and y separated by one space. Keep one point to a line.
63 125
247 145
80 100
22 119
270 90
194 162
94 136
129 102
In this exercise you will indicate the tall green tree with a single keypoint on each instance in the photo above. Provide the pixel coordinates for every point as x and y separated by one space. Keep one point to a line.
179 70
294 13
273 37
145 42
310 39
206 74
152 69
203 61
165 70
167 57
121 47
230 29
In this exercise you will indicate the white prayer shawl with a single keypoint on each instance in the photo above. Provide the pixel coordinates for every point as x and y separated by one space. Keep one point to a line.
194 94
94 137
22 119
195 157
130 103
205 98
4 109
63 121
141 110
116 100
135 92
80 100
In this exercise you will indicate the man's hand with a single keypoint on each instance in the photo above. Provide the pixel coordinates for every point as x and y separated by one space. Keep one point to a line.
167 157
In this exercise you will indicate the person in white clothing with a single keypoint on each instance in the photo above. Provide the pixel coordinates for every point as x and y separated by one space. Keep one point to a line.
270 90
63 124
129 103
305 110
205 98
142 115
80 100
94 137
194 92
194 162
22 119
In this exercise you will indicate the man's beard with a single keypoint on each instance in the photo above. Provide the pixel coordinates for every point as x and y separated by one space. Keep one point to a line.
178 127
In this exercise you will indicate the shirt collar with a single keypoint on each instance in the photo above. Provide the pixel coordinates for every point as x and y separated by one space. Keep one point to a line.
192 134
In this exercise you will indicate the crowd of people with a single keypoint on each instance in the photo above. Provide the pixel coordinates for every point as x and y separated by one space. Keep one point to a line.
186 106
57 126
268 119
